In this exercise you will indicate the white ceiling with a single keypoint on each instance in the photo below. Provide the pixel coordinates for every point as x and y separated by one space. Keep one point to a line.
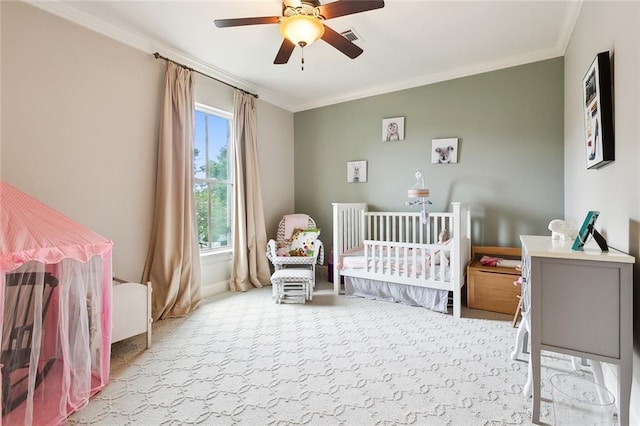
407 43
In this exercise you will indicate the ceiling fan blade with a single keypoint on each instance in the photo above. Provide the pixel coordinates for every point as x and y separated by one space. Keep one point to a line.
237 22
348 7
335 39
286 49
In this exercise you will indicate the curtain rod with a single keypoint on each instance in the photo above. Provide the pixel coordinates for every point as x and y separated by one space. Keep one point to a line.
159 56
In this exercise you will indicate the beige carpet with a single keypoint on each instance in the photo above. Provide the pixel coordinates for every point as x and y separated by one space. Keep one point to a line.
242 359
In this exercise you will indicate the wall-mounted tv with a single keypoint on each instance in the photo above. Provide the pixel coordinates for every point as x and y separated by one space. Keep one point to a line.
587 229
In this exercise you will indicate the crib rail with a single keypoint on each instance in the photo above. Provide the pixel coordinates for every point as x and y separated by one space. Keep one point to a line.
407 260
348 226
407 227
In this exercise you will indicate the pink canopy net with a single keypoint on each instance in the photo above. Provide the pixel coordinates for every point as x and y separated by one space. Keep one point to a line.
55 304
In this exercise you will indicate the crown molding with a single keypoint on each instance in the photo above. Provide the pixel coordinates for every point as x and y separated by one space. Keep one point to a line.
147 45
437 78
65 11
568 25
570 20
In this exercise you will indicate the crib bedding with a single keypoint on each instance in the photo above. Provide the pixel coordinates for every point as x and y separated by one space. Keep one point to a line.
410 262
430 298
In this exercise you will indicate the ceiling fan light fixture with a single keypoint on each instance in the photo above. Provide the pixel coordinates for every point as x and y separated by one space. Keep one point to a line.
301 30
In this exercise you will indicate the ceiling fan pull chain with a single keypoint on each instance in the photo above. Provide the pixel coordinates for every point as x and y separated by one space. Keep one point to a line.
302 57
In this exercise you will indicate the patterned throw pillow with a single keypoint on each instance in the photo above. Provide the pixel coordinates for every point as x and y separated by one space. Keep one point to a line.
302 241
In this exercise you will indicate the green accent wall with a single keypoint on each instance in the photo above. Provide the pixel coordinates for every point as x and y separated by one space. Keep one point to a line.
510 151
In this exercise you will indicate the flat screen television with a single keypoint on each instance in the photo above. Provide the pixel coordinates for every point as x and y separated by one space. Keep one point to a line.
587 229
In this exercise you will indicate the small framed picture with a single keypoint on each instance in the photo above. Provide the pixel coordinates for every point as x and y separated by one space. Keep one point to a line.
444 151
356 171
393 129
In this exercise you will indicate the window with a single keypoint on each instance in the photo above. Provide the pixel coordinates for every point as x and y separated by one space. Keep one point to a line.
213 173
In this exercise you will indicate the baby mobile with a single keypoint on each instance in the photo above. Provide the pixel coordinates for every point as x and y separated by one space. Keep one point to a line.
420 195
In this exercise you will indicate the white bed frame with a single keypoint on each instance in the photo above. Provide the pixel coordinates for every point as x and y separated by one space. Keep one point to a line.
131 310
387 238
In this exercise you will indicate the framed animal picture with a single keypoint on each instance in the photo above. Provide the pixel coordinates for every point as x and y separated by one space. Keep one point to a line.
356 171
393 129
444 151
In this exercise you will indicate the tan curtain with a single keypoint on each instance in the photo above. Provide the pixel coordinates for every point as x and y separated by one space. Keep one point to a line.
173 260
250 264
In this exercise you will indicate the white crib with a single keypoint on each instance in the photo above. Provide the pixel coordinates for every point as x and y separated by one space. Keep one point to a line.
394 254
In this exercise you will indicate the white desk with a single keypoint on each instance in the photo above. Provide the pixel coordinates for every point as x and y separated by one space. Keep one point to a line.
581 304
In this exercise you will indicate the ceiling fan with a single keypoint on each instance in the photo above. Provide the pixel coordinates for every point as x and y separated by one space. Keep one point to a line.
302 23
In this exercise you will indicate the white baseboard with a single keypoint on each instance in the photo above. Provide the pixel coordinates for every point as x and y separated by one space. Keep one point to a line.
223 286
215 288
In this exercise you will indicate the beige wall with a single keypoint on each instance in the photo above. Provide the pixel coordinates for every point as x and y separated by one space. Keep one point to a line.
275 151
79 131
614 190
79 125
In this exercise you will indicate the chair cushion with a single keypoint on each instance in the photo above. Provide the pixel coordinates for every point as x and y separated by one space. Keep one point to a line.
302 241
292 274
293 221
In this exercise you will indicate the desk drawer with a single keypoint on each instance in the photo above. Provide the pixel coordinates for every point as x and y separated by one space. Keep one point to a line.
580 306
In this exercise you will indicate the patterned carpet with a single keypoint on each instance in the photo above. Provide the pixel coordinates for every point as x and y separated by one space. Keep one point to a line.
242 359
